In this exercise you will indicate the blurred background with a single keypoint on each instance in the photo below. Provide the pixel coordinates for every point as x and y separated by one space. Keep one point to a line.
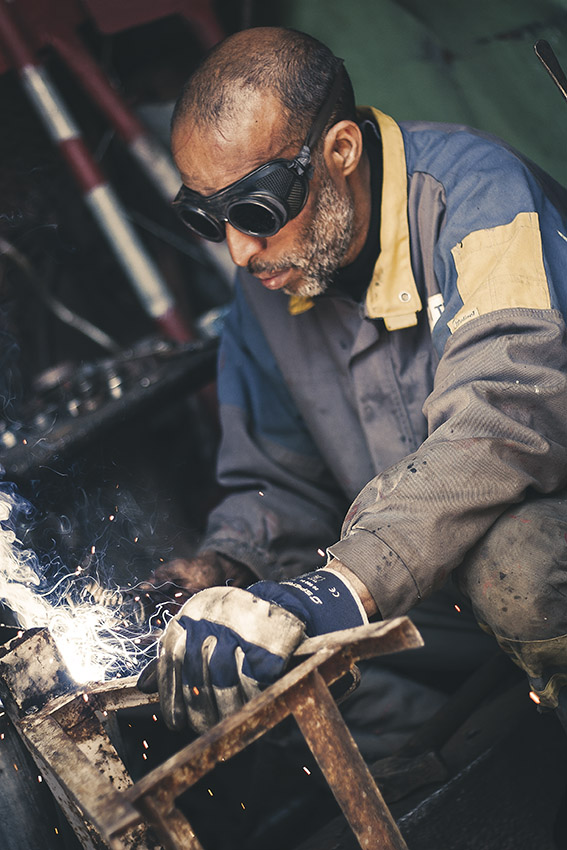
110 310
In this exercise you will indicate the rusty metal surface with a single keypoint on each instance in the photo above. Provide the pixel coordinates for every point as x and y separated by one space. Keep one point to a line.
32 672
63 729
343 767
303 692
69 742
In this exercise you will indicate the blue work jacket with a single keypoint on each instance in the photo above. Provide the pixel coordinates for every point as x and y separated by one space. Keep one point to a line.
415 418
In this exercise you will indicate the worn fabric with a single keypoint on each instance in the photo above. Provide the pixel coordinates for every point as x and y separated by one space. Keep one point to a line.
222 648
516 579
432 407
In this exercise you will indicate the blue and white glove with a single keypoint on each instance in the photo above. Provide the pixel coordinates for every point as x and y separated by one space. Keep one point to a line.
227 644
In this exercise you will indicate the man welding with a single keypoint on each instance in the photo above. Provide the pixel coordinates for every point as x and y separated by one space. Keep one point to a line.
395 359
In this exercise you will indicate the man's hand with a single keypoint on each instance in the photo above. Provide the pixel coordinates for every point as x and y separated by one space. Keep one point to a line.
208 569
227 644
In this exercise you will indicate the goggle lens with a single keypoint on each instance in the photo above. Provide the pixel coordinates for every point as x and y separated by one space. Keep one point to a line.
254 218
202 224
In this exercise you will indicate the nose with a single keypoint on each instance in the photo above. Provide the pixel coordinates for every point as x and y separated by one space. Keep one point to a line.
243 246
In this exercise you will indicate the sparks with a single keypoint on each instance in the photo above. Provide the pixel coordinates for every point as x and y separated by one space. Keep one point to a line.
457 609
535 698
91 636
307 771
320 552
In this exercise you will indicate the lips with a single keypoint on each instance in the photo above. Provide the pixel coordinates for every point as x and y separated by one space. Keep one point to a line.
274 280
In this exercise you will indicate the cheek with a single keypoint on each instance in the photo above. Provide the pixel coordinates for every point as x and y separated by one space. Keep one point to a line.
299 226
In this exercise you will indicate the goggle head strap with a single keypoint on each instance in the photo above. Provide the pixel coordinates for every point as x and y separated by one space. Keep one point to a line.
301 164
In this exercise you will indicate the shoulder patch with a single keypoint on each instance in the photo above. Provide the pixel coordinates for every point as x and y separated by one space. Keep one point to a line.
501 267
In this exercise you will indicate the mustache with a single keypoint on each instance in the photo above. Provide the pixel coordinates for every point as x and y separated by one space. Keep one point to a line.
256 267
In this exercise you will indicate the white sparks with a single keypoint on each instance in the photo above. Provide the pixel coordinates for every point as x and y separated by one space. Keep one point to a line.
85 632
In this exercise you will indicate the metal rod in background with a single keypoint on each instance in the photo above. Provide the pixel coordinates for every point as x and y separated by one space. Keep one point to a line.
142 272
548 59
146 151
63 313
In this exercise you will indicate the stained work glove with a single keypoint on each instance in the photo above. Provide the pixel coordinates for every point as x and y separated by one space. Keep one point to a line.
227 644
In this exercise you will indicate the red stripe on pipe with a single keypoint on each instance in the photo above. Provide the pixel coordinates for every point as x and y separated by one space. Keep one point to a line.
12 40
98 86
80 160
175 326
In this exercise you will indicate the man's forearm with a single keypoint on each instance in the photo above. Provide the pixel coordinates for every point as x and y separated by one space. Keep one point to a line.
358 586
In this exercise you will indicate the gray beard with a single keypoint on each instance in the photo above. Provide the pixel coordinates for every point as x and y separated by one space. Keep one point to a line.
324 243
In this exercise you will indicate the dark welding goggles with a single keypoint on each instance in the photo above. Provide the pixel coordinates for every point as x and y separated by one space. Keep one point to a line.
263 201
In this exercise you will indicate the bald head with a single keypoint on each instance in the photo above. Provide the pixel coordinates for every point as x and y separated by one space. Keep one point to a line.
291 66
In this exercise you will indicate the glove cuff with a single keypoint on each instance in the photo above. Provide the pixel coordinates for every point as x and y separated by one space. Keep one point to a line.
324 600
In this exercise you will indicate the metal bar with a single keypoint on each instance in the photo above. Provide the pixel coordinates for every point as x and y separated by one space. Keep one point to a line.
335 655
62 728
149 154
345 771
67 740
269 708
83 792
106 208
220 743
548 59
171 825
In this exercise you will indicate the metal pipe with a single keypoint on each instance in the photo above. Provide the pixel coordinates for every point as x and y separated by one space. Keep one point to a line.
99 196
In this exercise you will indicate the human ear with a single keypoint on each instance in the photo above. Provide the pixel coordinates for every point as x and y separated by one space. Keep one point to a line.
343 147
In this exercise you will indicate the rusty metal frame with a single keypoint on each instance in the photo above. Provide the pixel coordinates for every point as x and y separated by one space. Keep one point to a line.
66 730
68 741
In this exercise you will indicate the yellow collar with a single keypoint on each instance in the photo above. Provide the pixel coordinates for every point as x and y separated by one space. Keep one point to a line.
392 294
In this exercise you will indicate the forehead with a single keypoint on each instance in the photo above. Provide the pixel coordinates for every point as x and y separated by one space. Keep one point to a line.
211 157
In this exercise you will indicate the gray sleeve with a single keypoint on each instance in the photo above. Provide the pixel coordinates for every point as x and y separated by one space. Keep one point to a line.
497 425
